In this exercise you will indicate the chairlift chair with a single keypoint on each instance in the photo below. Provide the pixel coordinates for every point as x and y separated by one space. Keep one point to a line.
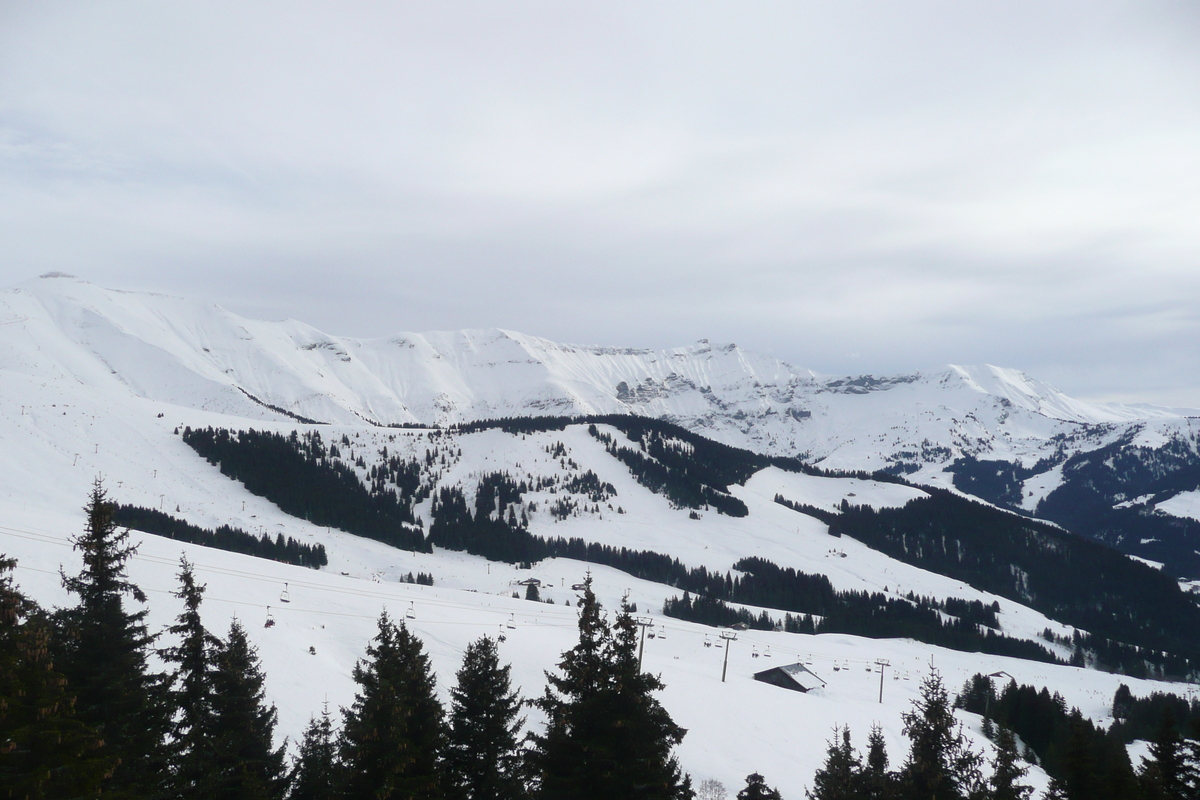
512 623
754 652
707 641
270 623
767 652
501 637
650 633
662 632
412 612
285 596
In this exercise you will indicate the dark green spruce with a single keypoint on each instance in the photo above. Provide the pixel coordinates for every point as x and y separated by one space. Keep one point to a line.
393 735
484 757
103 650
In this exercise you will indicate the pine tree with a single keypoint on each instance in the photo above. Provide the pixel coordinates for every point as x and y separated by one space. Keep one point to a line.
103 652
314 772
1055 791
940 765
192 691
605 736
245 765
393 735
838 777
756 789
44 751
1078 766
1164 775
484 759
1007 770
875 780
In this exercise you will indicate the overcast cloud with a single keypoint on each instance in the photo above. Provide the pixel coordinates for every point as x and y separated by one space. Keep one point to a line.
848 186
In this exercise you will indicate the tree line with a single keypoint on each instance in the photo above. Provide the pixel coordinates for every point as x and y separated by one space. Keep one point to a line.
225 537
298 474
1140 621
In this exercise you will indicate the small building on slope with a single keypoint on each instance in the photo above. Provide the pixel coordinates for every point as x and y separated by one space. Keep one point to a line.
796 677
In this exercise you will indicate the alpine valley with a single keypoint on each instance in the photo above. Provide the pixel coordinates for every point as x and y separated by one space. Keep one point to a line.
971 520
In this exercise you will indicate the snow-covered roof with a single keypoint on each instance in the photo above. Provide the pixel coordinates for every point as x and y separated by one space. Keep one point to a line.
791 676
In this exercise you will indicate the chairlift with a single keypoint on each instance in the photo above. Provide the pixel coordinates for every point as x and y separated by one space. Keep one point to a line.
754 652
501 637
285 596
512 623
767 652
662 632
836 668
270 623
868 668
650 633
412 612
707 641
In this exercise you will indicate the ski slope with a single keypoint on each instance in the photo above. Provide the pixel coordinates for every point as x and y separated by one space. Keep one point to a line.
96 383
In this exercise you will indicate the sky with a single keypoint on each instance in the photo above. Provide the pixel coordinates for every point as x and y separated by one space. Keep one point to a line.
849 186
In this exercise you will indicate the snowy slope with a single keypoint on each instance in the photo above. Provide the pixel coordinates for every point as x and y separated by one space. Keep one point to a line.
96 383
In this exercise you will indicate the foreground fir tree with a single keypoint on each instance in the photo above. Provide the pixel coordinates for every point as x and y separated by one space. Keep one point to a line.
1007 770
44 751
940 764
876 782
606 735
244 763
756 789
1165 774
838 777
314 773
191 692
484 758
393 735
103 652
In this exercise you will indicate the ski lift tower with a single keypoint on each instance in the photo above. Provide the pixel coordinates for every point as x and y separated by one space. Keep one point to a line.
643 623
728 636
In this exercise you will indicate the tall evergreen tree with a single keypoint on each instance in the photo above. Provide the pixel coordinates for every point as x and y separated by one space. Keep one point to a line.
1164 775
484 759
876 782
756 789
103 653
393 735
191 691
838 777
245 764
314 772
1078 765
1007 770
44 751
606 736
940 765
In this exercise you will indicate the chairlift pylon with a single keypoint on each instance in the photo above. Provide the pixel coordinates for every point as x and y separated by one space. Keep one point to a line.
285 596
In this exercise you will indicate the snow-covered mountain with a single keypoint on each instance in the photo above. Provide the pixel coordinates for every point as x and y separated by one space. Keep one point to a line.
96 382
195 354
936 427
